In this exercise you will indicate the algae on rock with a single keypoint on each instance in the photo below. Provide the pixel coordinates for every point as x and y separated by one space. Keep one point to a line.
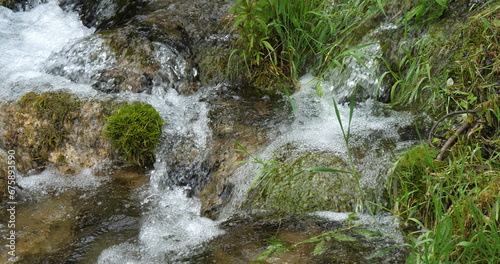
308 192
134 131
56 128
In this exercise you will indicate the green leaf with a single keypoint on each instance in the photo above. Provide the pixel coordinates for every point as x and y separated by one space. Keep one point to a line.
351 112
311 240
380 6
323 169
383 251
367 234
319 248
277 246
443 3
487 23
343 237
466 244
267 44
338 118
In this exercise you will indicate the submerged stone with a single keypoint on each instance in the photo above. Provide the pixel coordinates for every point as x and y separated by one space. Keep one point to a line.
310 191
250 239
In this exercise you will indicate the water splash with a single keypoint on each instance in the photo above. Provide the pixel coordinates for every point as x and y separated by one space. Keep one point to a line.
28 39
171 230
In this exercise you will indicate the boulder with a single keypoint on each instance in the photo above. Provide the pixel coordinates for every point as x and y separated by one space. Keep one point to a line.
56 128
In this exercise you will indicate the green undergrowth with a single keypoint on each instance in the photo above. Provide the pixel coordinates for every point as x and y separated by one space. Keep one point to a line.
455 201
445 73
449 186
134 131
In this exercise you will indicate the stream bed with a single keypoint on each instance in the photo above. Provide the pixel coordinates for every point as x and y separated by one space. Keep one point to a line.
115 214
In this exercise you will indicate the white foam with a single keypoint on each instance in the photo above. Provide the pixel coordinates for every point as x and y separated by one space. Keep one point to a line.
53 182
171 229
28 39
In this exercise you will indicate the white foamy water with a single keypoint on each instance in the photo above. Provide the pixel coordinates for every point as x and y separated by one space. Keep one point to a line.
171 230
28 39
53 182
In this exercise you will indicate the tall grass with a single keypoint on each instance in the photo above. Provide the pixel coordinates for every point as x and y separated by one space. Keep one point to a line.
288 38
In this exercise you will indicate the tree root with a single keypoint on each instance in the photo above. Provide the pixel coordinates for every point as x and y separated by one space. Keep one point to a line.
431 133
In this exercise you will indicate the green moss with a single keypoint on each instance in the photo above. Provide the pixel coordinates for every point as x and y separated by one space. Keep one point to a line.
311 191
53 111
134 131
7 3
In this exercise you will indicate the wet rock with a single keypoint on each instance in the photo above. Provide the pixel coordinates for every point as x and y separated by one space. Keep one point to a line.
72 225
245 116
129 177
142 45
44 227
55 128
104 14
309 191
21 5
124 60
3 177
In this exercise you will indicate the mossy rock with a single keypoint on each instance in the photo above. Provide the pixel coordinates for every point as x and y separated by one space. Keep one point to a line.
134 131
56 128
309 191
409 174
53 112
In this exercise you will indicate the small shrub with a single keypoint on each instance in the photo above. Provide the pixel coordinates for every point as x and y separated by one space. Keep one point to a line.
134 131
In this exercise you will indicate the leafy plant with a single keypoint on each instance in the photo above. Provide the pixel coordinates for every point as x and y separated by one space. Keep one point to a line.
134 131
427 9
268 166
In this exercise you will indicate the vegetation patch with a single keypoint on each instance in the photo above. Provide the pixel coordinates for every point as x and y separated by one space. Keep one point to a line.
281 40
311 191
134 131
54 112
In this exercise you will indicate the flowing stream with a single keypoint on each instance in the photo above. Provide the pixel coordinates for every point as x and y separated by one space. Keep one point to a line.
41 50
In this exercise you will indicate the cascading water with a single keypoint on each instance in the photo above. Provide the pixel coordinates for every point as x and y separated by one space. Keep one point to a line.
47 38
47 49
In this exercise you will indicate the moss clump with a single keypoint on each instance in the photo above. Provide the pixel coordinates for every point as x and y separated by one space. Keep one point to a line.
308 192
54 111
134 131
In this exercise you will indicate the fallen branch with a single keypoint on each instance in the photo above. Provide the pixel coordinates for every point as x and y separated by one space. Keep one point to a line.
452 139
431 133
